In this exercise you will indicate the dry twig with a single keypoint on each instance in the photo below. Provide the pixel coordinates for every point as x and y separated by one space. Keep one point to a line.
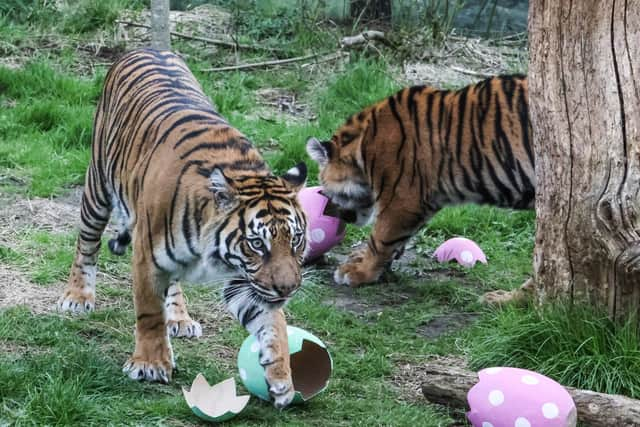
217 42
264 64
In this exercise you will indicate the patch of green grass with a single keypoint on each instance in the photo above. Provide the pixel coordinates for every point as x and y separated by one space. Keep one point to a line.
506 237
84 16
47 257
40 12
46 130
574 345
74 368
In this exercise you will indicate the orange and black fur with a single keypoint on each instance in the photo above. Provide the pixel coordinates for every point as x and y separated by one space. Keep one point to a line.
399 161
197 202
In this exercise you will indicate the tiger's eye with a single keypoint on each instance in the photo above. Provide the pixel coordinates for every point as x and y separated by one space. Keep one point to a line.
256 243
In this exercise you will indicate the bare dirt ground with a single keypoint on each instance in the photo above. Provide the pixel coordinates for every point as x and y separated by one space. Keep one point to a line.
17 216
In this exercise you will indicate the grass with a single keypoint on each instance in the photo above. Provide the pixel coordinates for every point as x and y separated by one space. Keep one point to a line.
59 370
575 345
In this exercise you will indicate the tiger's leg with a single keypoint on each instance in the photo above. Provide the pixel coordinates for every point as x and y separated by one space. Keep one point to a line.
80 292
270 329
152 359
390 233
179 323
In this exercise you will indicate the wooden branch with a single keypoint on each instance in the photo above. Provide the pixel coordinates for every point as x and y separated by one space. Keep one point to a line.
470 72
448 385
217 42
363 38
277 62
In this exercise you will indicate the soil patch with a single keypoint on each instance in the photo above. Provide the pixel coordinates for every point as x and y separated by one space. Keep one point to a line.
281 101
59 215
446 323
16 290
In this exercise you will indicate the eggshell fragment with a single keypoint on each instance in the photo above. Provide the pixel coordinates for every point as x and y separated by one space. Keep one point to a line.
214 403
324 231
465 251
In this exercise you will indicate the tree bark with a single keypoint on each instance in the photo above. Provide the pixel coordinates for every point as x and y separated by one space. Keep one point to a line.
448 385
584 87
160 31
371 10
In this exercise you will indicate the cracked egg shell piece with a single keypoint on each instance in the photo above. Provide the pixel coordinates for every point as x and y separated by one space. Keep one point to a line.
324 231
214 403
465 251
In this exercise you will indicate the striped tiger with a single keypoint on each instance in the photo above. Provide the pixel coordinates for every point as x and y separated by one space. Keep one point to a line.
399 161
198 203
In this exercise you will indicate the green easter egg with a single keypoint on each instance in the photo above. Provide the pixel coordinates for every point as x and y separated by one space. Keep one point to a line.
311 365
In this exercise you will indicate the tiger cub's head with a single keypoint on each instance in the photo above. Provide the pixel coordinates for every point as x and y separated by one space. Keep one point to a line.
263 234
342 173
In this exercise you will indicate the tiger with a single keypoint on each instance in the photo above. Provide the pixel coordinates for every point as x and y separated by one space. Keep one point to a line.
399 161
197 203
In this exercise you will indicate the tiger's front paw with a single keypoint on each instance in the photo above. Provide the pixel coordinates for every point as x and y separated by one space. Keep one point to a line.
77 300
280 385
140 368
184 328
356 272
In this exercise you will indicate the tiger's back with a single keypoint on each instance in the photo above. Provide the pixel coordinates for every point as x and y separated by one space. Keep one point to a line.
156 128
402 159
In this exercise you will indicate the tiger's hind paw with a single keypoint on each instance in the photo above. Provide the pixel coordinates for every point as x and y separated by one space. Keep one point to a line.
184 328
355 274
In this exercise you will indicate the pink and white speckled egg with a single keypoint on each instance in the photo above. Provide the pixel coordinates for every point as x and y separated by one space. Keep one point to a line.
513 397
463 250
324 231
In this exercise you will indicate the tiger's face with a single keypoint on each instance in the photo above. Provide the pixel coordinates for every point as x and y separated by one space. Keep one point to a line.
263 237
343 179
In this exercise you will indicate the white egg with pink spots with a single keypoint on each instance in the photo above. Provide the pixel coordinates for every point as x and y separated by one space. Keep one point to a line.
513 397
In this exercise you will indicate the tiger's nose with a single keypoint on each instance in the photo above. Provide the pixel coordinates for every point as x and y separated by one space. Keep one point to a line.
286 290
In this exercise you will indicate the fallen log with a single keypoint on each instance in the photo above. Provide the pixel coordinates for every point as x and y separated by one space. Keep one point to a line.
362 38
448 385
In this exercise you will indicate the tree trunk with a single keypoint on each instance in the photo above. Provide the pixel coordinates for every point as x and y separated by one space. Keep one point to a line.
160 31
447 384
371 10
584 85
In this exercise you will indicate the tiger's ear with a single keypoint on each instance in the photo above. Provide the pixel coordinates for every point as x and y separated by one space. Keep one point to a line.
319 151
222 188
296 177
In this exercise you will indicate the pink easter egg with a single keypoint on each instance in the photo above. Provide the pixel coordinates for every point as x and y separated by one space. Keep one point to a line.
513 397
463 250
324 231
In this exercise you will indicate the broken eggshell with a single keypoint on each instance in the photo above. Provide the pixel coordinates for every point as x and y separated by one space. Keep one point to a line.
324 231
465 251
311 365
214 403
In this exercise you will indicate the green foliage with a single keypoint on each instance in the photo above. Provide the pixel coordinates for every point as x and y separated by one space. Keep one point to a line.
575 345
273 21
83 16
46 131
41 12
362 83
435 17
